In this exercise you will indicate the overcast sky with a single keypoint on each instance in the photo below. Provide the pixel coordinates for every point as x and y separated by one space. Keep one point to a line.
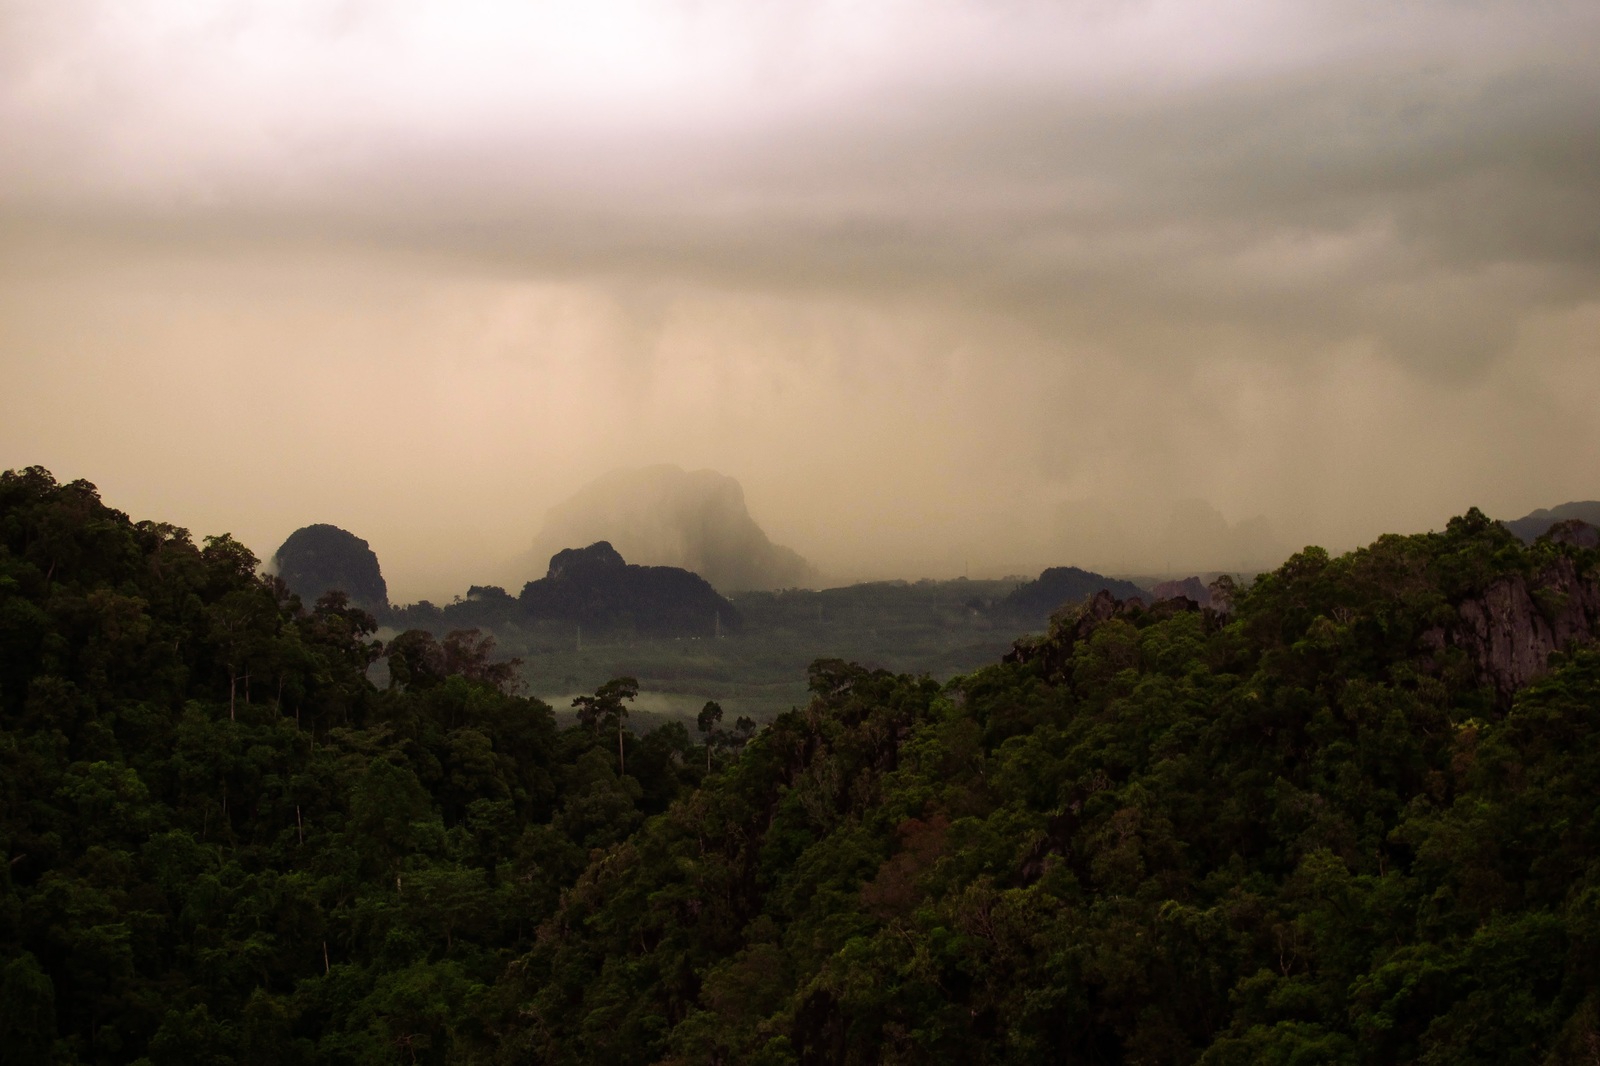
934 280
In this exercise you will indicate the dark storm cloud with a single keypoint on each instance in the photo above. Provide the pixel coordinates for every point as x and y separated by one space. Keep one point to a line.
1244 218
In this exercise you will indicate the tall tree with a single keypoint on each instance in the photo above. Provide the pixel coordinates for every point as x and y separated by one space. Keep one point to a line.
605 709
709 720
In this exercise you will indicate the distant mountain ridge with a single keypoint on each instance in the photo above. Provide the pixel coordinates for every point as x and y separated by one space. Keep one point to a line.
1530 527
667 516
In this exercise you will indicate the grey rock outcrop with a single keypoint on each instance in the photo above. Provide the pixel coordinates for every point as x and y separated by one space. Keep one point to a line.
1510 630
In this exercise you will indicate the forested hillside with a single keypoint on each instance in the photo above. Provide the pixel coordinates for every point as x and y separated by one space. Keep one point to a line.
1315 830
225 844
1348 818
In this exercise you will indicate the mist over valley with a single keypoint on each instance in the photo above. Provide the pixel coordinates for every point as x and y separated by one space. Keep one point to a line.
594 614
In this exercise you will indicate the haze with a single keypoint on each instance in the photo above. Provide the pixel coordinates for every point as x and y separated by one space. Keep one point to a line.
949 287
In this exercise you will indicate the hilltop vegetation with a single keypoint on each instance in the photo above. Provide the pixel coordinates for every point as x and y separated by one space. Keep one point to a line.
1350 820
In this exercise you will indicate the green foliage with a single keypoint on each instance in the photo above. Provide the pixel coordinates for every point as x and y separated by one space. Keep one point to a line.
224 844
1309 831
1305 832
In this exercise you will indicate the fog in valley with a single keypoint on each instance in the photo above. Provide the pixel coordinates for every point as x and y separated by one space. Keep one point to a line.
947 289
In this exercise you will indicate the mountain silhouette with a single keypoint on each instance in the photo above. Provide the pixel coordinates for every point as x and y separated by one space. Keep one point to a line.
320 558
667 516
595 587
1530 527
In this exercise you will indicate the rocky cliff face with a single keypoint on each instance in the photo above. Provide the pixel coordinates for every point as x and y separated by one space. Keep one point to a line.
1510 630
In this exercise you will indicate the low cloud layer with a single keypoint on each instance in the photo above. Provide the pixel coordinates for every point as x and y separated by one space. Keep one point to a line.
930 280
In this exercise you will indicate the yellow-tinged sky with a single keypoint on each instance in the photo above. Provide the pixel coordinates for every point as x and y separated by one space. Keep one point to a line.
990 285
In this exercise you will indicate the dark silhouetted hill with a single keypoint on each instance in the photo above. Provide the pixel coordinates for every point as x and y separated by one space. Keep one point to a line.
596 588
321 558
1189 588
1530 527
667 516
1061 585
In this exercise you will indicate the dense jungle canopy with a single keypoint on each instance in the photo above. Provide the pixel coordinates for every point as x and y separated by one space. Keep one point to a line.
1340 820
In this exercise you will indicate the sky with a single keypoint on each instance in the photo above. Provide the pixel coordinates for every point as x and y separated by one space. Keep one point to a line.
950 287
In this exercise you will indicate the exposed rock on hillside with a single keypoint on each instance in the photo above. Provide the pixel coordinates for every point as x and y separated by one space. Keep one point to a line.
596 588
664 515
1511 629
320 558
